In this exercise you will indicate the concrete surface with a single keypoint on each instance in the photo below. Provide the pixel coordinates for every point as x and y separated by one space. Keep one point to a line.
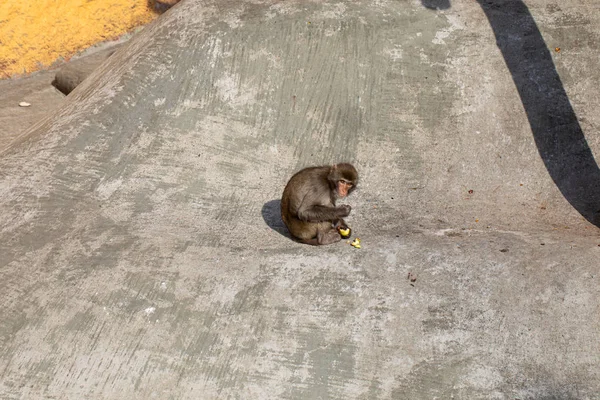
38 89
142 255
71 74
35 90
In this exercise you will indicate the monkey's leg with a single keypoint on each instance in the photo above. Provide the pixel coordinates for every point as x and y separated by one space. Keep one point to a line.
328 236
323 238
314 233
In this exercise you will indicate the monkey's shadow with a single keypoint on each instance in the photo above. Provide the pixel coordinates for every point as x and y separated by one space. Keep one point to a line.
271 213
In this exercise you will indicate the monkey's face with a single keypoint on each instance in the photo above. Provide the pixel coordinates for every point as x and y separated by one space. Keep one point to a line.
343 187
342 179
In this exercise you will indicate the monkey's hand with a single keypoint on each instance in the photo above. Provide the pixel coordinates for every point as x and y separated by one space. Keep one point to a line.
344 210
339 223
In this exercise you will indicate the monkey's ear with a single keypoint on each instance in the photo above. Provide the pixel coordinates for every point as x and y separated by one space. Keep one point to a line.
333 171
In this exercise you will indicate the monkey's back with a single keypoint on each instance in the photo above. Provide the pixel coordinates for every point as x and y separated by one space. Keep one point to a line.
304 183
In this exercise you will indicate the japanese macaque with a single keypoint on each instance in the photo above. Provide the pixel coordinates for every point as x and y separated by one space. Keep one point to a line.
308 203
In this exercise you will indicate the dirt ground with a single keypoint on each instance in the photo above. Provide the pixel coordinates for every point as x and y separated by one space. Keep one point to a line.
34 35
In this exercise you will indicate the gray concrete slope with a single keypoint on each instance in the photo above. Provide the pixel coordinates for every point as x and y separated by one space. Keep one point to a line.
141 251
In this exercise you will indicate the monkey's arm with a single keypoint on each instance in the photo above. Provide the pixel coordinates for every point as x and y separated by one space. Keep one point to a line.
318 213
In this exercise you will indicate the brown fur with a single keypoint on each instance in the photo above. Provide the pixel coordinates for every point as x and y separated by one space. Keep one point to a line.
308 203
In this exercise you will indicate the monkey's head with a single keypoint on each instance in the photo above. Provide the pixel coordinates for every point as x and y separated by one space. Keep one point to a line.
342 179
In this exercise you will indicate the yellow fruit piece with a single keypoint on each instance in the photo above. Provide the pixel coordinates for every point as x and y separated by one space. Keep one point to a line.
356 243
345 232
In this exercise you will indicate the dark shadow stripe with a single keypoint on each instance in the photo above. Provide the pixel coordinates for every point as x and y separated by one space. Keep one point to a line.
556 130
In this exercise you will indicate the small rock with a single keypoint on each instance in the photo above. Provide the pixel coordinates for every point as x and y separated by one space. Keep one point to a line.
150 310
24 104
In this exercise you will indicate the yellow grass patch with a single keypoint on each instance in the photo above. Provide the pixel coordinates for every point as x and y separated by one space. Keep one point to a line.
36 33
